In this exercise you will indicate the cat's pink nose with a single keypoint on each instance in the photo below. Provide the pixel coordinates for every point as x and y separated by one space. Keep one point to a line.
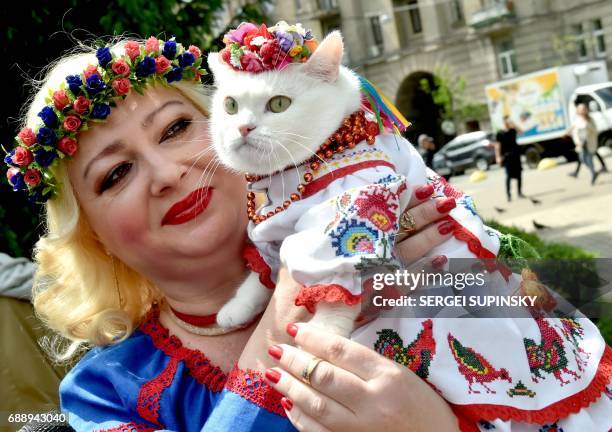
246 129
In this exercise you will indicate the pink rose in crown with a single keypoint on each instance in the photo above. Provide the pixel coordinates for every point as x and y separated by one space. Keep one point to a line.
32 177
270 53
152 45
72 123
60 99
22 156
132 49
120 68
161 64
250 62
91 70
67 145
195 51
242 30
27 137
121 86
81 105
11 172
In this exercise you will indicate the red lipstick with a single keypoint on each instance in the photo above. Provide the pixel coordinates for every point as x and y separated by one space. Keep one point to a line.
189 207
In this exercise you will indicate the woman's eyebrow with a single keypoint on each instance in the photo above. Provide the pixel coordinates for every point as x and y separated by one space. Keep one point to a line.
113 147
149 118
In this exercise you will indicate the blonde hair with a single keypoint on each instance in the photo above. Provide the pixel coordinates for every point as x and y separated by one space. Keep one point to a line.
81 292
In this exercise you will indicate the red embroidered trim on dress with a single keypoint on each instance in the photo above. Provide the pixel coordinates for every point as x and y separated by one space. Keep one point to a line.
252 386
309 296
325 180
129 427
150 393
257 264
558 410
461 233
197 363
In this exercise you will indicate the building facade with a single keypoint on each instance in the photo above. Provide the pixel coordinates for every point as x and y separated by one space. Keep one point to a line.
403 45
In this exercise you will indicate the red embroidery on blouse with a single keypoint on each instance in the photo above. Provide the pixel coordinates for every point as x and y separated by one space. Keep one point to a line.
149 395
199 366
325 180
252 386
309 296
256 263
129 427
555 411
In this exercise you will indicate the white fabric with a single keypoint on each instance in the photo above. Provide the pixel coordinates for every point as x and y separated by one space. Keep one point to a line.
584 131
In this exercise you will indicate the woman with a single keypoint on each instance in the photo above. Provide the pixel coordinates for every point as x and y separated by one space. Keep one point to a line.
145 228
584 134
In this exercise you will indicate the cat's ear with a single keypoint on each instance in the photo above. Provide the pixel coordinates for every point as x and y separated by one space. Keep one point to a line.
325 63
217 66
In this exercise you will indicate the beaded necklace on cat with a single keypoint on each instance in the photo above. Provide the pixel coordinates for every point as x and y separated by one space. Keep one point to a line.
354 129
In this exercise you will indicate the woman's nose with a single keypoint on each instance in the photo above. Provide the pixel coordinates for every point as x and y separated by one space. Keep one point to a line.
166 175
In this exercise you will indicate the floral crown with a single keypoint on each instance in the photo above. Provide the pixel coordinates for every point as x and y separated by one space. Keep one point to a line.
87 98
256 49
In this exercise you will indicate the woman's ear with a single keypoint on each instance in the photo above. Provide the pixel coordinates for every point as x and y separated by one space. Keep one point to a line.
324 64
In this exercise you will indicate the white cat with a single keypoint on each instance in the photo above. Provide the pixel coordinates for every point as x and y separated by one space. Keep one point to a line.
271 124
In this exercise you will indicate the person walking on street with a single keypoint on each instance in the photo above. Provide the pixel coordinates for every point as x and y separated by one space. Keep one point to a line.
584 134
427 149
508 155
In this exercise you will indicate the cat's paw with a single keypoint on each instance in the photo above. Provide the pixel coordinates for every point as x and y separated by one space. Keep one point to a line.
236 312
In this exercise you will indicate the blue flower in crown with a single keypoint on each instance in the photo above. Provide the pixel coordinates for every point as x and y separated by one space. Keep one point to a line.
146 67
169 50
186 59
66 112
48 116
46 136
74 84
176 74
45 158
100 111
95 84
104 56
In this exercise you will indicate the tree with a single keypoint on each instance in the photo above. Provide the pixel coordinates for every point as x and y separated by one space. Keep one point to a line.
35 33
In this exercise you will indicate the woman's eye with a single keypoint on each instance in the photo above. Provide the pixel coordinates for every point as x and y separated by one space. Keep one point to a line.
175 129
278 104
230 105
115 176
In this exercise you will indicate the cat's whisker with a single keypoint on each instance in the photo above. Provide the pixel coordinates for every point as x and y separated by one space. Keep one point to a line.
281 174
297 170
199 155
313 153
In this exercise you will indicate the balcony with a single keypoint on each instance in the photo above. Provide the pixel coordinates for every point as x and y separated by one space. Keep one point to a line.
498 16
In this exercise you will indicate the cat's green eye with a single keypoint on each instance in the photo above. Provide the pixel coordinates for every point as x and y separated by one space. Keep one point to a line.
278 104
231 106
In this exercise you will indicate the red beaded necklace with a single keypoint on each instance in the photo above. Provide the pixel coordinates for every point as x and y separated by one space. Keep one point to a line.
354 129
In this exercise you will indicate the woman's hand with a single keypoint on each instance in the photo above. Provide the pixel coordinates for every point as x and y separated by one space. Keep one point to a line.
353 388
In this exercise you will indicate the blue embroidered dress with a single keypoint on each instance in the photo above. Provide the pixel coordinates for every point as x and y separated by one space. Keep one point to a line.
152 382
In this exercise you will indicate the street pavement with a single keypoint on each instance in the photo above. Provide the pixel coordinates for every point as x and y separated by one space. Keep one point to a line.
569 209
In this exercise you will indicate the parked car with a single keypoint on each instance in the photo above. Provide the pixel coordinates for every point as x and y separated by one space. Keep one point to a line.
474 149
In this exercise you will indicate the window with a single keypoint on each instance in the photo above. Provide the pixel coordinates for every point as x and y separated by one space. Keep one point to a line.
579 37
599 38
298 5
377 34
407 19
328 4
606 96
507 59
456 11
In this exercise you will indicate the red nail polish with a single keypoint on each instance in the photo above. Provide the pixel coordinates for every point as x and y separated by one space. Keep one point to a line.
275 352
286 403
446 205
439 261
292 329
446 227
272 375
423 192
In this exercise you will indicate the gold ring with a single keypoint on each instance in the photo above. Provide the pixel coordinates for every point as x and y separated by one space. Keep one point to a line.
407 226
309 369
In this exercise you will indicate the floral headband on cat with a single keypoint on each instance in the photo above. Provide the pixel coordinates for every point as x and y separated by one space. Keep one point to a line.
87 98
256 49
